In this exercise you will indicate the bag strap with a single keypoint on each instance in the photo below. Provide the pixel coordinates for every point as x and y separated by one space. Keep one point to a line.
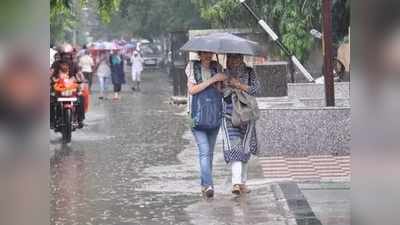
248 74
197 70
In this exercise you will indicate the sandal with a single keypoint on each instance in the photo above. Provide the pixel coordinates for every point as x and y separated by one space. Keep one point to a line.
244 189
236 189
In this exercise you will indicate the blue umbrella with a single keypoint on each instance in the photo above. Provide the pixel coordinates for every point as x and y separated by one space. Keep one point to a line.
130 45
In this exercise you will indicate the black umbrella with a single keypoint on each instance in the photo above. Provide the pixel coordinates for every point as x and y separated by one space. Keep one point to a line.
223 43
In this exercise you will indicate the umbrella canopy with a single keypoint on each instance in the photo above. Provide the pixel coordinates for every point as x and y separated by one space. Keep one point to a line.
98 46
130 45
223 43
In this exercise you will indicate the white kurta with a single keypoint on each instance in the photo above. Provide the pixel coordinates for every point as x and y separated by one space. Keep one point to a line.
52 54
137 67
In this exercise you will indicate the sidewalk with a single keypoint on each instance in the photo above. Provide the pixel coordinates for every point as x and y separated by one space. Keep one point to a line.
316 188
260 207
271 202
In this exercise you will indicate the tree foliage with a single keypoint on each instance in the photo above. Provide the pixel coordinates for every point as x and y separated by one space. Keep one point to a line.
63 18
105 7
291 19
152 18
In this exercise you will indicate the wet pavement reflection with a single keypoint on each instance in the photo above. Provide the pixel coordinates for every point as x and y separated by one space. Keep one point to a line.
134 163
94 180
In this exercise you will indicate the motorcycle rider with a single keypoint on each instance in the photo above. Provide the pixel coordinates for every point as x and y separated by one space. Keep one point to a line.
66 63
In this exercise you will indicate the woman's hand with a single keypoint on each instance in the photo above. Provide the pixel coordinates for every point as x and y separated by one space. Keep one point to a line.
214 80
234 82
218 77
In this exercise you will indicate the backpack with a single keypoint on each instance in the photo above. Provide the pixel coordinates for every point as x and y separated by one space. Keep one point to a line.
206 109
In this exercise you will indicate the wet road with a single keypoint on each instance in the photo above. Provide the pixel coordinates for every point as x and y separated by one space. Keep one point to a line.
135 163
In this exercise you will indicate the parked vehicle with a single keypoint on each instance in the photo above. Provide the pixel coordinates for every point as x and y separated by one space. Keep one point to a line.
152 56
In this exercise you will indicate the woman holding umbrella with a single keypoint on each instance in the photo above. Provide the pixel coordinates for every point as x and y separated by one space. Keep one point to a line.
239 141
203 75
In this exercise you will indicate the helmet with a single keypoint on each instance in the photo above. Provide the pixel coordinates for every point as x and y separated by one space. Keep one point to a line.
65 48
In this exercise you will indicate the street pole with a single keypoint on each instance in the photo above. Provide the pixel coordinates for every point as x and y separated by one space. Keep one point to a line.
277 41
328 56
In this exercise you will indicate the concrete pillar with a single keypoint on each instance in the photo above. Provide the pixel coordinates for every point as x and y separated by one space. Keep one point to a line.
273 79
179 80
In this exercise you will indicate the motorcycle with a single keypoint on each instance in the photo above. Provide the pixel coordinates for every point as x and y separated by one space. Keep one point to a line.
65 109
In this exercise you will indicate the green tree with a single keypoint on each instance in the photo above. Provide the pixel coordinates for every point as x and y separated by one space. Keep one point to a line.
154 18
105 7
62 20
63 15
291 19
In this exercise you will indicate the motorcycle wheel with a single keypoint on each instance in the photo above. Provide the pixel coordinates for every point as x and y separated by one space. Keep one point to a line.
67 128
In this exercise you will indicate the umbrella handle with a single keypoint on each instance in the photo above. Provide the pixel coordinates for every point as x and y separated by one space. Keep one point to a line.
218 63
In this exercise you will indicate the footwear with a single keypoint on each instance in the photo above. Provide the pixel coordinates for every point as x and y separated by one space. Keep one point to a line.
101 97
236 189
208 192
116 97
244 189
81 124
133 88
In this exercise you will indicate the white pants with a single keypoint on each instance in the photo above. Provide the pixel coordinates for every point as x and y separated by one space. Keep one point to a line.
239 172
103 84
136 74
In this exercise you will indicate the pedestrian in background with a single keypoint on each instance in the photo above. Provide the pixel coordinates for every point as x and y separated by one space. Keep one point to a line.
86 64
52 55
239 141
103 73
137 68
117 73
203 75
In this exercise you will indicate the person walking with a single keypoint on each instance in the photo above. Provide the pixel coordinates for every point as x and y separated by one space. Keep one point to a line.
86 64
203 76
137 68
239 141
117 73
103 73
52 55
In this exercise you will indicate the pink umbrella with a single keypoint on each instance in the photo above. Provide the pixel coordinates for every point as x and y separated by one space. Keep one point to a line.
115 46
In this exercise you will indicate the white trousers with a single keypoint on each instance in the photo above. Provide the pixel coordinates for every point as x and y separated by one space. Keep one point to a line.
103 84
239 172
136 75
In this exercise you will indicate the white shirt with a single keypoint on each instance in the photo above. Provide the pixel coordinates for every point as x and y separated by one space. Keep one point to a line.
86 62
52 54
137 63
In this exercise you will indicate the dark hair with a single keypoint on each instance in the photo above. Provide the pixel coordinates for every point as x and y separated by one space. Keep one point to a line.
200 52
234 55
61 66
